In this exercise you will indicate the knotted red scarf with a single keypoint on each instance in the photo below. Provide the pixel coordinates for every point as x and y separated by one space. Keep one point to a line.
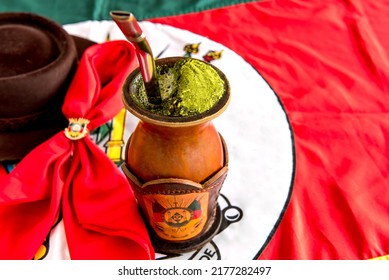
75 177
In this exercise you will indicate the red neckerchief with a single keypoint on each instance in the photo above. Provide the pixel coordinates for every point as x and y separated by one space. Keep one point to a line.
75 177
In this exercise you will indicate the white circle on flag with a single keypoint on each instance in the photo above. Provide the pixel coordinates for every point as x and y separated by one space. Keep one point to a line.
258 136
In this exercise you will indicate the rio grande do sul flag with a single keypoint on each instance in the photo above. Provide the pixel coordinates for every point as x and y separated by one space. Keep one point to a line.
327 64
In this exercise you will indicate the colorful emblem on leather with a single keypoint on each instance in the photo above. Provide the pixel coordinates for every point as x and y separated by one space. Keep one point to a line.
177 217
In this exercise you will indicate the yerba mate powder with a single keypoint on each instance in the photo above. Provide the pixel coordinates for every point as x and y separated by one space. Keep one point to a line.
188 88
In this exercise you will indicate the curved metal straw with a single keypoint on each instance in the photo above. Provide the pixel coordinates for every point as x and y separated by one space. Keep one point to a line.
129 26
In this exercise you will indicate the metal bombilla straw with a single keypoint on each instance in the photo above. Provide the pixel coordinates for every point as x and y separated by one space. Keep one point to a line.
129 26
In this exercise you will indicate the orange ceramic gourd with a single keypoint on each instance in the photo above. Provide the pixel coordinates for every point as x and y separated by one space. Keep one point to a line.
176 167
190 152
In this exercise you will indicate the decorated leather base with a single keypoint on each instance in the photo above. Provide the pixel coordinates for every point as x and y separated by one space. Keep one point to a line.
181 215
161 246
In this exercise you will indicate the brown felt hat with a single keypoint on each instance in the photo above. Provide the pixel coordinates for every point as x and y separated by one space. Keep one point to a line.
38 59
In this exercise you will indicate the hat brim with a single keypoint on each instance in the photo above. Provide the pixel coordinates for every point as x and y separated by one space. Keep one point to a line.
14 145
81 45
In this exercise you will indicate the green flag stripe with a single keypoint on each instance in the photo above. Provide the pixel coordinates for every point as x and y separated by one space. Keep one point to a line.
70 11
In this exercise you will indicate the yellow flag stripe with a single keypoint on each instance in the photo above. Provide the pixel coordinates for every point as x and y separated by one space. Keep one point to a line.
382 258
115 145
